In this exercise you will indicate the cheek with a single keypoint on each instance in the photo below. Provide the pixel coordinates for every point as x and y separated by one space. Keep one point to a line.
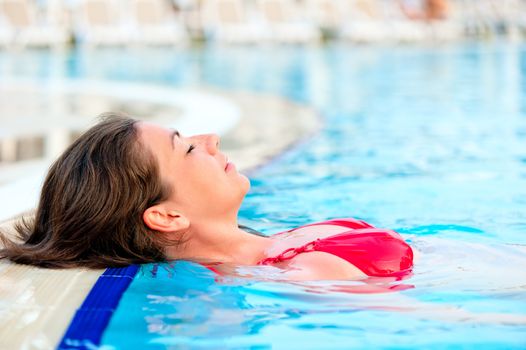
226 188
207 184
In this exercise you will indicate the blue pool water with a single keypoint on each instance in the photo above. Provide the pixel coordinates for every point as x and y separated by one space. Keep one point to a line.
429 141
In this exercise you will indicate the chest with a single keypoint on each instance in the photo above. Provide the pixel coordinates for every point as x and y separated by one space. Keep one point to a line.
302 236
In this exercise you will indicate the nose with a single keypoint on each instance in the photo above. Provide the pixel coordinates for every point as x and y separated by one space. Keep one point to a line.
212 143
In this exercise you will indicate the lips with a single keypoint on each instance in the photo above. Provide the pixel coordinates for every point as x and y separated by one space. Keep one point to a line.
229 166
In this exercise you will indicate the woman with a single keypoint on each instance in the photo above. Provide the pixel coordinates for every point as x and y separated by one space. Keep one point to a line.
132 192
432 10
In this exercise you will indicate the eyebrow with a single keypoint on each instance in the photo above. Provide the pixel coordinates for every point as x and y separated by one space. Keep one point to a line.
172 135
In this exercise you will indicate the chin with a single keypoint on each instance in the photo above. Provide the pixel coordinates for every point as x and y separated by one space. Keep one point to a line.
246 184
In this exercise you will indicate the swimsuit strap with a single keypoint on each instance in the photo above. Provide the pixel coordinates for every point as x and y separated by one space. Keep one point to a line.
346 222
290 253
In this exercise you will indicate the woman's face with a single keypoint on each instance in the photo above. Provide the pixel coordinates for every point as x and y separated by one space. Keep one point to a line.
203 182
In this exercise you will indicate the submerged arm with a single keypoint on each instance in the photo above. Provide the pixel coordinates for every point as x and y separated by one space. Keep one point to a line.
320 266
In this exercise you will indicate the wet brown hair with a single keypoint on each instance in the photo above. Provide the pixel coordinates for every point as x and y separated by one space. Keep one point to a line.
91 204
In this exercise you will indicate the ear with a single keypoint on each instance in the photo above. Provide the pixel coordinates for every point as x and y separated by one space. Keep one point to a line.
159 218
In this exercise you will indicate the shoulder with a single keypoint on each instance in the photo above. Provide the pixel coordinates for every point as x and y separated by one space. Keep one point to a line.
321 266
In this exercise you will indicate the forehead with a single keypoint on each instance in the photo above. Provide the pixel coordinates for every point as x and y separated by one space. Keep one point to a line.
149 130
155 136
159 141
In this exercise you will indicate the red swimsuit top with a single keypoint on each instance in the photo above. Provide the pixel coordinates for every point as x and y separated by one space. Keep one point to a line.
376 252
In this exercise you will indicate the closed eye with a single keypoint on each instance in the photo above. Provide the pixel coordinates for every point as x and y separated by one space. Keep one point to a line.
190 148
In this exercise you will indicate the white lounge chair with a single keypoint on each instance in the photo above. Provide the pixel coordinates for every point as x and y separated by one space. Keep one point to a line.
496 17
402 28
24 26
155 23
327 14
365 22
451 28
102 23
287 22
385 20
517 18
228 21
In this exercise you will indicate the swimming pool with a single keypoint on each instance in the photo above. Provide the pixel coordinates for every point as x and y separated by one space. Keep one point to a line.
429 141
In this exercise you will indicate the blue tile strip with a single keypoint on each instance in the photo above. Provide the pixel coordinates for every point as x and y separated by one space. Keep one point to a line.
91 319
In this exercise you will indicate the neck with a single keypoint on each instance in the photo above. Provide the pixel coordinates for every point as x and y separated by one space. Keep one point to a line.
223 242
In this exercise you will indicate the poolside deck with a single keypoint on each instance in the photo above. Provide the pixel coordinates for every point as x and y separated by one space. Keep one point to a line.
36 305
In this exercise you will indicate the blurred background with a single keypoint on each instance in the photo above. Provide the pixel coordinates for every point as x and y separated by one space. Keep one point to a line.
62 62
59 23
56 23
